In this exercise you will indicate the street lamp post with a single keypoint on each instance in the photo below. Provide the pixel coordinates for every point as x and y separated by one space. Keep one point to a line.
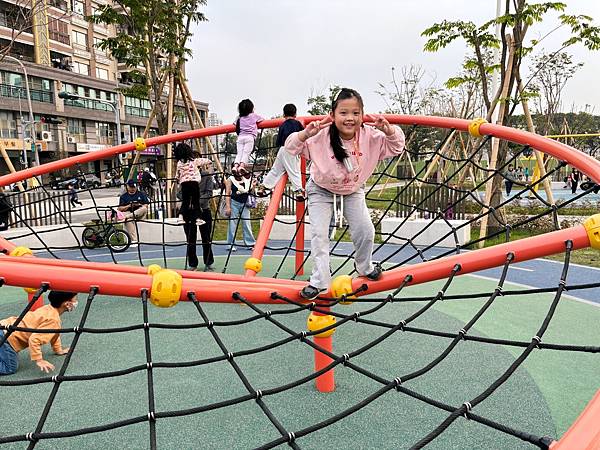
31 121
114 105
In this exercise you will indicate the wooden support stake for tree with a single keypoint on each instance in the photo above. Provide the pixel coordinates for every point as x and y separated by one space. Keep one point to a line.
10 166
539 156
215 154
495 142
434 162
168 147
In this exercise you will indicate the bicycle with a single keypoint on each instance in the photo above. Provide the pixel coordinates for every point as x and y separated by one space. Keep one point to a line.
105 233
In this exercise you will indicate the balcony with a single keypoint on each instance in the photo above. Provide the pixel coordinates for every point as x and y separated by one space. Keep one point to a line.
37 95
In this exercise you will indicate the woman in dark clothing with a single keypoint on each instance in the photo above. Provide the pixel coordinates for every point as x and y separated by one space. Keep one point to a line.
207 184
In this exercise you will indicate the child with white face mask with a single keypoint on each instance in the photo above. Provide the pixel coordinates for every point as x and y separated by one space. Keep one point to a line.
344 154
47 317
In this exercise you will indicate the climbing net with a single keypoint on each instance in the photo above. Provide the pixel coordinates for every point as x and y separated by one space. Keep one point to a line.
442 210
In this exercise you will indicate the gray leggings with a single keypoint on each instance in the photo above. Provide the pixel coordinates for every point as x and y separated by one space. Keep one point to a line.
362 231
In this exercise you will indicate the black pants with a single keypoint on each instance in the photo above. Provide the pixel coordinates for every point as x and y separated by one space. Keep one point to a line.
509 185
190 201
191 235
74 201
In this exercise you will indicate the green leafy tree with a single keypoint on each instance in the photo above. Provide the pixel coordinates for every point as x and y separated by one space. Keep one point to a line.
320 104
518 18
151 39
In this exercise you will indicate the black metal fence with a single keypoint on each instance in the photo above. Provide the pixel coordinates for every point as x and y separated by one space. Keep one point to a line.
36 208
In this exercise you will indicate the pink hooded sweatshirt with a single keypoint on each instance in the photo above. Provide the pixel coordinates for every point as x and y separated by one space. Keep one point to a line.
370 146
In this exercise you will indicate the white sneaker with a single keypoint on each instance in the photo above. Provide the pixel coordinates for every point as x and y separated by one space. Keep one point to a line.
180 221
133 245
200 222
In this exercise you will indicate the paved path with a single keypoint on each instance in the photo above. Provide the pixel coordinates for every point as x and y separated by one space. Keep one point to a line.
538 273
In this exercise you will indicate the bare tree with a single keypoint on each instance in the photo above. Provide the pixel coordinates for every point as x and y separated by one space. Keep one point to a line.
552 72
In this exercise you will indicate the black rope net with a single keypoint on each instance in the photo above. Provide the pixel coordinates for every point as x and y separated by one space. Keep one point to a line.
438 184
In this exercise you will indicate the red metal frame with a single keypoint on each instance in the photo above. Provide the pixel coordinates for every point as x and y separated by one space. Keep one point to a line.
211 287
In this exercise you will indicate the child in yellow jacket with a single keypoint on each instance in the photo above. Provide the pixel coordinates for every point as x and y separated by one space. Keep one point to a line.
45 318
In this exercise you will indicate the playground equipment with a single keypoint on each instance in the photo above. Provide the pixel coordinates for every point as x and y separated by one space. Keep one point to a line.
423 263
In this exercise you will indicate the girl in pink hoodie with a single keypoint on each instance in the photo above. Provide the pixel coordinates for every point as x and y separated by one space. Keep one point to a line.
344 154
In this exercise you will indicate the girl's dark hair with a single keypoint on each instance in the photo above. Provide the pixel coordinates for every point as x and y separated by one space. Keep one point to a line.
334 134
183 152
245 107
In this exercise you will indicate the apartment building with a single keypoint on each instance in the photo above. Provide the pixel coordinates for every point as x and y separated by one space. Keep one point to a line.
58 49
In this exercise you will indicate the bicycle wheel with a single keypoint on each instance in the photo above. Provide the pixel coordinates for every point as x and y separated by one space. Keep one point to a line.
118 240
90 238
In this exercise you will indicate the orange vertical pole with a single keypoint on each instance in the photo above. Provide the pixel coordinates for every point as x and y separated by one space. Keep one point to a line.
300 208
317 321
325 382
38 303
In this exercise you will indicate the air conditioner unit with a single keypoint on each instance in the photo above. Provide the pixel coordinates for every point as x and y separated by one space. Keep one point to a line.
46 136
71 140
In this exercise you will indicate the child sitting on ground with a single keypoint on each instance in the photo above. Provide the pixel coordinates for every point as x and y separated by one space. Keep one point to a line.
47 317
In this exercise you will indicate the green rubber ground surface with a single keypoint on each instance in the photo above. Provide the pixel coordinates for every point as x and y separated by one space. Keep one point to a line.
543 397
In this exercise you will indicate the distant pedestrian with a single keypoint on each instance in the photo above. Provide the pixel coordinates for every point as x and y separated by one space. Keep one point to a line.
509 179
575 177
73 197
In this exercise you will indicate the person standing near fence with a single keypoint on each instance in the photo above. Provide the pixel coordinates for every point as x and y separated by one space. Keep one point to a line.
207 184
237 190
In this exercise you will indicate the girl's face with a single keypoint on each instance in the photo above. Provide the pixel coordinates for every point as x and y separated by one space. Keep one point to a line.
348 117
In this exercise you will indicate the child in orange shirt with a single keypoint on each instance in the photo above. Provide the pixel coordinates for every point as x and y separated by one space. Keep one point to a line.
45 318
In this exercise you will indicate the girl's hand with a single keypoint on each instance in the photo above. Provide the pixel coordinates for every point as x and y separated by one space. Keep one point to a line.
380 123
314 127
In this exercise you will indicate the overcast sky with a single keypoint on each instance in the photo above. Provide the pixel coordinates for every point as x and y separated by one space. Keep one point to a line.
280 51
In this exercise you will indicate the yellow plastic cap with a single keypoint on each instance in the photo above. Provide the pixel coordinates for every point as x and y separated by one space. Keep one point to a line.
166 288
21 251
342 285
474 127
317 322
153 268
592 226
140 144
254 264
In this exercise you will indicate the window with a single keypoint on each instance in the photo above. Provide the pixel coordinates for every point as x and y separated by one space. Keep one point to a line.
8 125
81 68
11 85
80 39
89 97
97 42
104 133
101 73
59 31
79 7
76 130
137 107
